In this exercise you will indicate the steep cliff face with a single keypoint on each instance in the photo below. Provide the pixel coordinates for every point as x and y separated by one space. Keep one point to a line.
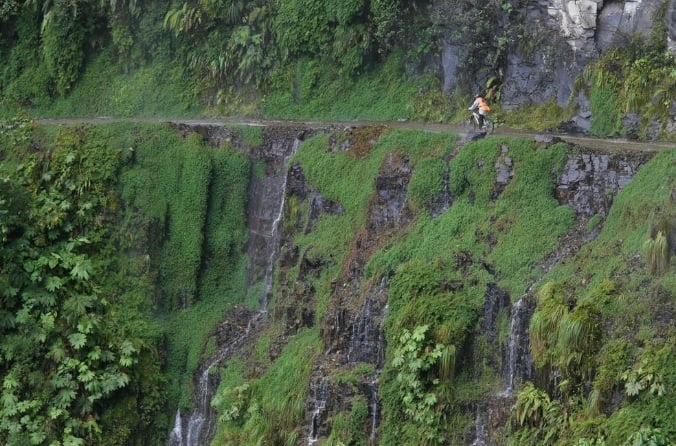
351 390
352 326
542 46
671 26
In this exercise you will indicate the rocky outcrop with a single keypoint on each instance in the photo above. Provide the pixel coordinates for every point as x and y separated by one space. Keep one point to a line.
589 182
352 331
540 47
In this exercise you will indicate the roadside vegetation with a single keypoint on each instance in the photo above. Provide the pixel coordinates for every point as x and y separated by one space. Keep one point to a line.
301 59
122 245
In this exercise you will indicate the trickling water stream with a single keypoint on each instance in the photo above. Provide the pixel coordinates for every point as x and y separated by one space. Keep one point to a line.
480 423
375 405
519 364
320 395
265 216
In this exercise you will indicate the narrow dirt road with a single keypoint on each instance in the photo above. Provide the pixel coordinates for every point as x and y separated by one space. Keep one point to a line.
587 142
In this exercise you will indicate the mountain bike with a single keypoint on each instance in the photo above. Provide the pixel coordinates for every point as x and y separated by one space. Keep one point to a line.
473 123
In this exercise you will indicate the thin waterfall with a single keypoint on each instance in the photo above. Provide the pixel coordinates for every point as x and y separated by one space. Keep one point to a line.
201 426
481 429
512 349
375 405
320 395
519 363
176 436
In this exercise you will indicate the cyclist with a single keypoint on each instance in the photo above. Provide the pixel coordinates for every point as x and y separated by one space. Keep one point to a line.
481 104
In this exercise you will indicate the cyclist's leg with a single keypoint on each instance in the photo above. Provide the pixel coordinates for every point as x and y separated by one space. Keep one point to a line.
473 120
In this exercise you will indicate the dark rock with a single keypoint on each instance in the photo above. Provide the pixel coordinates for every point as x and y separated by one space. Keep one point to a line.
576 126
296 182
496 301
589 182
504 173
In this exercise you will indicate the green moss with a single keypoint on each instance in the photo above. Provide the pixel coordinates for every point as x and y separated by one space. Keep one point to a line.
157 89
525 209
348 427
427 183
276 403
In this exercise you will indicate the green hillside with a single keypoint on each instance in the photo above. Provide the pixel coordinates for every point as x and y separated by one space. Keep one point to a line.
123 248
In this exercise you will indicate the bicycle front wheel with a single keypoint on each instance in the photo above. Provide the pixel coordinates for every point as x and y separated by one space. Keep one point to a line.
489 126
471 125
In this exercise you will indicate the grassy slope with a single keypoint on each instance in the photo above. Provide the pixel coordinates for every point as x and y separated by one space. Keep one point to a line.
524 212
526 207
636 312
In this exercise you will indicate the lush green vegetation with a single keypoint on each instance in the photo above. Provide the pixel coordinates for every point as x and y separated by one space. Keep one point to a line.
428 324
269 409
600 326
80 363
636 78
122 249
122 244
302 59
485 237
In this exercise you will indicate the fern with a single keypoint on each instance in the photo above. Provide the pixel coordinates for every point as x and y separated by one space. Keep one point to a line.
447 362
657 253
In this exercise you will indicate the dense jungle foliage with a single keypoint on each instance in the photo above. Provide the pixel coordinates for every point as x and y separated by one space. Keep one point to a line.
602 336
110 237
122 247
309 59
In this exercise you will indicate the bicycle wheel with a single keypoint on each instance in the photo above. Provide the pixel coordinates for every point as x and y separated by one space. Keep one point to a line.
471 124
489 126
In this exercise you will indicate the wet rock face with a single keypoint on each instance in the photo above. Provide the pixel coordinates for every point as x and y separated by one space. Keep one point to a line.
519 365
591 25
318 205
553 42
589 182
504 168
352 329
545 72
389 209
497 300
367 340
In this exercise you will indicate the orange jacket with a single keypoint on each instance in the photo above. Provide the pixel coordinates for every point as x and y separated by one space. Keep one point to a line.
483 105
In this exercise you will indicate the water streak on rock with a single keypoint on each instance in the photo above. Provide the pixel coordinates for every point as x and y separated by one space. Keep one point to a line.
320 395
265 215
